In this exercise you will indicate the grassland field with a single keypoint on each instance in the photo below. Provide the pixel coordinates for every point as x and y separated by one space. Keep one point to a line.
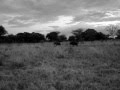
44 66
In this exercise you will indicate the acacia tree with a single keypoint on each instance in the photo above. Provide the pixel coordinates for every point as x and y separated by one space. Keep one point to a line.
112 30
2 31
78 34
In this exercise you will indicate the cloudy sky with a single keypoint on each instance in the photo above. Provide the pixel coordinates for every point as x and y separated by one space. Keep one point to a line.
64 15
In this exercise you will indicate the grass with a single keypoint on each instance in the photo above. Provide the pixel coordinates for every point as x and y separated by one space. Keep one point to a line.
43 66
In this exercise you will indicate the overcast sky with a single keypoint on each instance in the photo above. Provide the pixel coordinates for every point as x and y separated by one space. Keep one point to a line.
64 15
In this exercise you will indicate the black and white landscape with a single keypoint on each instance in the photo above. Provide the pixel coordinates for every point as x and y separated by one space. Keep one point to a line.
59 44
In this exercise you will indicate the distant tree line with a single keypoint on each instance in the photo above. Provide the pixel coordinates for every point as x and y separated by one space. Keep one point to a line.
88 35
78 35
20 37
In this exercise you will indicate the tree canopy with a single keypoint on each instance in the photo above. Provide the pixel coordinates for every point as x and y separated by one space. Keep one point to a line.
78 34
52 36
112 29
2 31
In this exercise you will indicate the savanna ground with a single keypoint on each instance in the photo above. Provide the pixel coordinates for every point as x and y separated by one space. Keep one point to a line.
43 66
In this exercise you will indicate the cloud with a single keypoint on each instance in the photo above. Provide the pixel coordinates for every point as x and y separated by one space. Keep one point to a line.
105 23
56 14
61 22
112 14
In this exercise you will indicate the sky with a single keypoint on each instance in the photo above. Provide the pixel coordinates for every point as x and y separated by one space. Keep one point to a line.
44 16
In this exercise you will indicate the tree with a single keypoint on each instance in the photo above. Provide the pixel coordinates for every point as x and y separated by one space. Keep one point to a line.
23 37
90 35
78 34
11 38
101 36
72 38
30 37
2 31
118 34
52 36
62 38
112 30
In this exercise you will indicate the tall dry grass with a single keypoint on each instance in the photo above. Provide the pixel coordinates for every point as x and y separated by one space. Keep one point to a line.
89 66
